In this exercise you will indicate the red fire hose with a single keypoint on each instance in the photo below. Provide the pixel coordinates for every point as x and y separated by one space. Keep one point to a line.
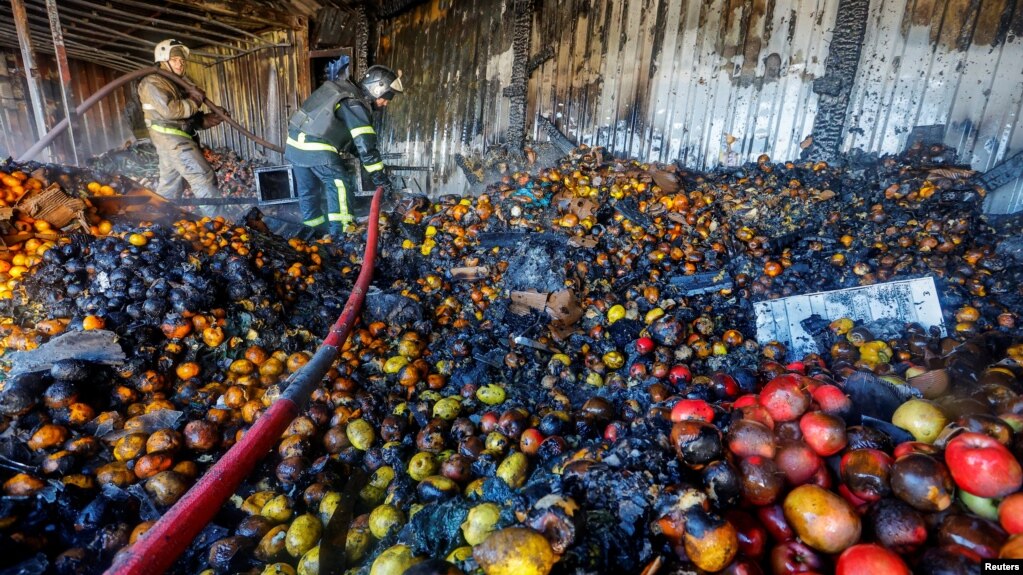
158 548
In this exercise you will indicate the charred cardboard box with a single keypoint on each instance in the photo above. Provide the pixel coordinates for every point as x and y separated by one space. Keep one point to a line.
561 306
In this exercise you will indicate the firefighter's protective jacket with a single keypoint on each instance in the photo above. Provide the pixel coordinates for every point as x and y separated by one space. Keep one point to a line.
316 136
167 107
173 119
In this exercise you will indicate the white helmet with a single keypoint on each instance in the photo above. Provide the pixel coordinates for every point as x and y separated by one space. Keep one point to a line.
162 52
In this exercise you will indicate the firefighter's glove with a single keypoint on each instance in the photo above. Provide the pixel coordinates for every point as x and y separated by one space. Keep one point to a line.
211 121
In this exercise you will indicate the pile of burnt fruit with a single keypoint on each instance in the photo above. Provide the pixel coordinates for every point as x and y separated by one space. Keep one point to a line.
561 376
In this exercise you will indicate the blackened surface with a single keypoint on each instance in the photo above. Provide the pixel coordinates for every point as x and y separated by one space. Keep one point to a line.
560 141
392 8
836 85
362 48
522 12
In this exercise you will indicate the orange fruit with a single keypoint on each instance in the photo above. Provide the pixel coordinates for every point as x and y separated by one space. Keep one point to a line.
187 370
93 322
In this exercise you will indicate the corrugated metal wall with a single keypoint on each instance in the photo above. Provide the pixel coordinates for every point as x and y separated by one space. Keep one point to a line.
456 56
260 90
106 125
952 62
654 79
666 80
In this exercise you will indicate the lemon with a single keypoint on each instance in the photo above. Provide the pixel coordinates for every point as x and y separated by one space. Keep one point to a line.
616 313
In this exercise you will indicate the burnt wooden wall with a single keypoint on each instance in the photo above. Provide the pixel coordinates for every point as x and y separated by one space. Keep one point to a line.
102 128
705 82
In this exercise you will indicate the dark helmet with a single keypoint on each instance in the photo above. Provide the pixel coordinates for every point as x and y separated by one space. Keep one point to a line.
381 82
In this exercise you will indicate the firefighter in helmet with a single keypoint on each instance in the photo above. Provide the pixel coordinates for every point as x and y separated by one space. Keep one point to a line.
173 116
337 118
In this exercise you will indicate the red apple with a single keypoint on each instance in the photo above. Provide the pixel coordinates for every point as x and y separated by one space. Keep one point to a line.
488 422
870 558
832 399
752 535
865 472
747 437
612 432
742 567
860 505
907 447
680 375
797 366
530 440
898 526
822 478
1010 513
982 466
798 461
795 557
637 370
772 517
756 412
724 386
824 433
785 398
745 400
687 409
644 345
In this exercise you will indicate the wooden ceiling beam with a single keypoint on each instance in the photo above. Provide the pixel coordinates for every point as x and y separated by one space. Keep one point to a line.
154 20
199 18
78 52
82 30
86 19
244 11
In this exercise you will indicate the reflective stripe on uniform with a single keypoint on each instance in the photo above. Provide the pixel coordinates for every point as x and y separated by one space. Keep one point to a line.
301 144
364 130
315 222
343 215
374 167
172 131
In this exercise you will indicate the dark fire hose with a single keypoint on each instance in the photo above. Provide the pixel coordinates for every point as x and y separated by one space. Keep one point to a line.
155 551
117 83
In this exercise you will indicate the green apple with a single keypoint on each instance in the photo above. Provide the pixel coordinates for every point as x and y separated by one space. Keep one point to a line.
983 506
923 419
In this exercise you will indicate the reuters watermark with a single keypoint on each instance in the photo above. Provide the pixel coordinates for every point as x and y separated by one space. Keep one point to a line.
1003 566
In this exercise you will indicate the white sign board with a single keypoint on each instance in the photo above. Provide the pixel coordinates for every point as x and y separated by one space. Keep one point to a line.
910 301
